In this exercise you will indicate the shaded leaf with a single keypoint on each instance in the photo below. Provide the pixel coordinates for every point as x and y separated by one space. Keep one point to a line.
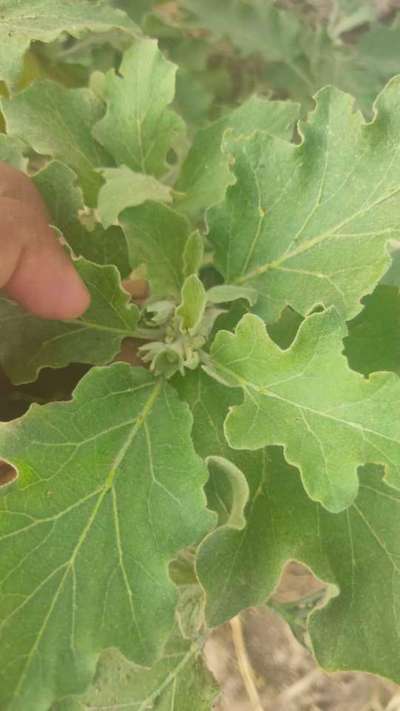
373 342
91 471
257 26
227 491
56 121
64 199
44 20
157 237
12 152
355 552
29 343
175 683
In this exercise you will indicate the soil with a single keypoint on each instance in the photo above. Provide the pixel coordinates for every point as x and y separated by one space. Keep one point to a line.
286 676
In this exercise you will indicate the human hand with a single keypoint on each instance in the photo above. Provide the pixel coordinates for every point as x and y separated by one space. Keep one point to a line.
34 269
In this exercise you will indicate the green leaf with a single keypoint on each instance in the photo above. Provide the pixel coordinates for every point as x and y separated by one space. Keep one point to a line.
309 224
373 342
178 682
378 52
307 399
225 293
91 472
192 307
44 20
193 255
190 611
29 343
256 26
123 188
354 552
227 491
12 152
138 129
56 121
209 402
135 10
157 237
57 184
206 174
347 15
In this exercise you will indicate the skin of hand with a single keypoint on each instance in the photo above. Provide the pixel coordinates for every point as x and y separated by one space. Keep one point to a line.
34 269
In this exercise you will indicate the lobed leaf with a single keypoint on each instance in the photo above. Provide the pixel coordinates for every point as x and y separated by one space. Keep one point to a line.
330 419
354 552
30 343
57 122
258 26
206 174
309 224
373 342
100 480
177 682
138 129
44 20
58 185
123 188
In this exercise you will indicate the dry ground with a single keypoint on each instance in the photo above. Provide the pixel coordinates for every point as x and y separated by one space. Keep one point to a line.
284 672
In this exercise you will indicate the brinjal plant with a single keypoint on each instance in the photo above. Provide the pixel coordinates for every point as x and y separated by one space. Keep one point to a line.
241 157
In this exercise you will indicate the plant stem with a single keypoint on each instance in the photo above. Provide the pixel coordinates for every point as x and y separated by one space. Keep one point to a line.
245 667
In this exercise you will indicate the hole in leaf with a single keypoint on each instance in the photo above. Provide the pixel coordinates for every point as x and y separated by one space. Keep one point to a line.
7 474
172 157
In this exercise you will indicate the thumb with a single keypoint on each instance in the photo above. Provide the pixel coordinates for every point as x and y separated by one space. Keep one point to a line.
34 269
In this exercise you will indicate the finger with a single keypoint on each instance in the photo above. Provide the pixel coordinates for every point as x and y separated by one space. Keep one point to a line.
34 269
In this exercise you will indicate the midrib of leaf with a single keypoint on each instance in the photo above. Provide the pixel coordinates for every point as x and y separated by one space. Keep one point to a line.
139 129
75 148
249 388
108 485
320 413
309 244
